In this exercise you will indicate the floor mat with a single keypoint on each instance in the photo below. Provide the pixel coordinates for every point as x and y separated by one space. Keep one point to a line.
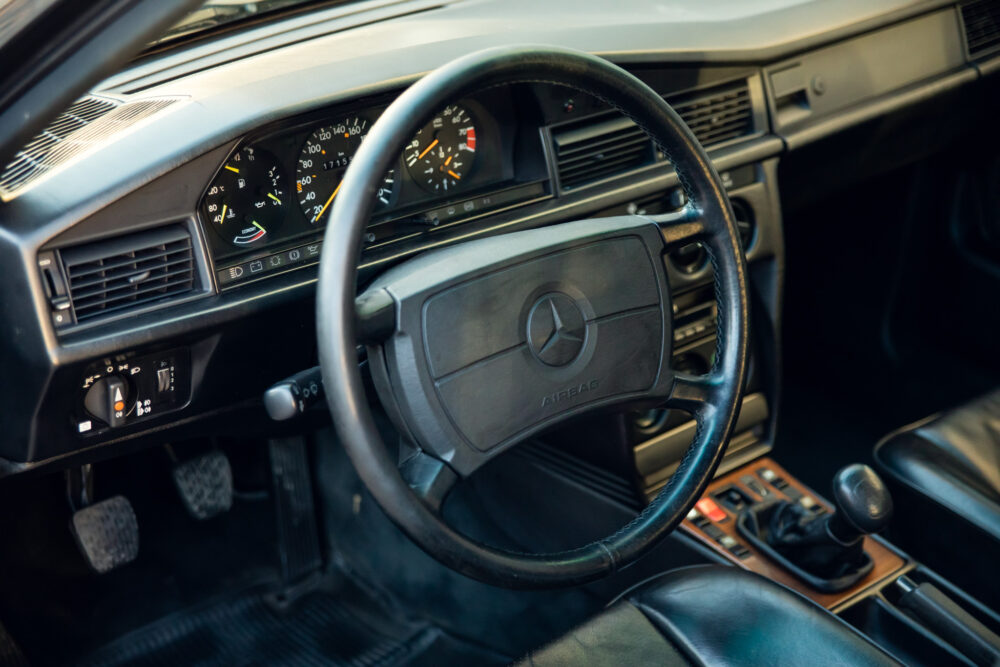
319 629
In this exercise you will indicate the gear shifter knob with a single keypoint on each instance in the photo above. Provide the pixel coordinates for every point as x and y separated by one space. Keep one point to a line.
863 503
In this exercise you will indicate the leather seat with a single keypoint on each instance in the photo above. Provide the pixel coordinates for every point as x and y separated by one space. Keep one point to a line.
945 473
712 615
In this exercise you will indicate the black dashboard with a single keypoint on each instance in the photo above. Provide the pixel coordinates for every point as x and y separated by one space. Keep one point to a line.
182 275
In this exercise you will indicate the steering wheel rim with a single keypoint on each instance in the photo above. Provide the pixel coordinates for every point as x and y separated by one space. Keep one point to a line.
713 399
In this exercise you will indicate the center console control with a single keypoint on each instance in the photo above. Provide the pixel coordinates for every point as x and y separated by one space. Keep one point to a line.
128 388
719 519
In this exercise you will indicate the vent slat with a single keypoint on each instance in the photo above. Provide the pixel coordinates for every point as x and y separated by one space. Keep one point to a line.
92 279
606 147
614 141
718 133
113 264
124 284
707 113
105 301
104 312
124 273
609 164
981 19
127 272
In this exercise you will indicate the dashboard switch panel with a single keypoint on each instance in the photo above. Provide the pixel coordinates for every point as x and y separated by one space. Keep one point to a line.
127 388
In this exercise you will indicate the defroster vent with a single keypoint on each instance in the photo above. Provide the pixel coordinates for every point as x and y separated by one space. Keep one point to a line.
122 274
87 125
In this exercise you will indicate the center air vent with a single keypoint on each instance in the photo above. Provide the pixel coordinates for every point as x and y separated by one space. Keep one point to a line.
717 115
122 274
982 26
598 148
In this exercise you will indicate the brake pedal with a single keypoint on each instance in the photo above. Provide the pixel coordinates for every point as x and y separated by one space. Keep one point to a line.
205 484
107 533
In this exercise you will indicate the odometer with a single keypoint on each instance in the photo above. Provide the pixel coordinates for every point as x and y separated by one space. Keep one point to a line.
322 162
245 202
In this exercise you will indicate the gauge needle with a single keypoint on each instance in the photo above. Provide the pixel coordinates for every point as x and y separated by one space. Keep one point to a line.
428 149
257 225
232 169
222 218
274 198
454 175
323 210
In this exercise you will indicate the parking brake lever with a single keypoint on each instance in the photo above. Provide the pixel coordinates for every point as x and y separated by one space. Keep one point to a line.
293 396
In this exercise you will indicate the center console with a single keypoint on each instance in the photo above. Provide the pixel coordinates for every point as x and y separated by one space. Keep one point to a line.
917 616
716 518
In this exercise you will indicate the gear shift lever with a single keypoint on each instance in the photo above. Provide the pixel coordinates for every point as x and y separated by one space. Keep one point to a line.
863 503
825 550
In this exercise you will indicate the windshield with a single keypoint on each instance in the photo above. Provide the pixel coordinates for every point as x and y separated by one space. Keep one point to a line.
215 13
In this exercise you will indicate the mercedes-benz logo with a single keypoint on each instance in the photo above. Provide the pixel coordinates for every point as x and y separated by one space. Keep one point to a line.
556 329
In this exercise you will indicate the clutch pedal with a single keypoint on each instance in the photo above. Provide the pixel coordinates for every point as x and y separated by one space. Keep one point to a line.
205 485
107 533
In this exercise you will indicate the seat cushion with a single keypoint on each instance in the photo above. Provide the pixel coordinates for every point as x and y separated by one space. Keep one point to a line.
953 460
712 615
621 635
726 616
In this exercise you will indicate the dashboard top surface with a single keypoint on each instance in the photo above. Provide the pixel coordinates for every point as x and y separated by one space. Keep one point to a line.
225 89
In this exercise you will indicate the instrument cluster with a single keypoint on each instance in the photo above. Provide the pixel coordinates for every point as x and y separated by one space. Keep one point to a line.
276 189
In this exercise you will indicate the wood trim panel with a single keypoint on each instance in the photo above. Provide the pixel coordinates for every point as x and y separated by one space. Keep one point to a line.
888 561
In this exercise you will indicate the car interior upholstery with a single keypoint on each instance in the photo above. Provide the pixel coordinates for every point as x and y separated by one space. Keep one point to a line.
482 332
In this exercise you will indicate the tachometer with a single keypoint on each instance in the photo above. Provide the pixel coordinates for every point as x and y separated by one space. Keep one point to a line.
245 202
442 153
322 163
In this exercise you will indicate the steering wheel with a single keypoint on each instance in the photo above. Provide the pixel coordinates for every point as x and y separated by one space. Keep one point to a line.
477 346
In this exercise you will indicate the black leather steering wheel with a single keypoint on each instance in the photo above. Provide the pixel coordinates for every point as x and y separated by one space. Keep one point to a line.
477 346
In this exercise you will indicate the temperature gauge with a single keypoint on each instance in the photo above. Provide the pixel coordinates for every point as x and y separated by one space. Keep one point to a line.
246 201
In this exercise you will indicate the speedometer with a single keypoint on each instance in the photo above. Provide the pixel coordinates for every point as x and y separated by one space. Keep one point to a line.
322 162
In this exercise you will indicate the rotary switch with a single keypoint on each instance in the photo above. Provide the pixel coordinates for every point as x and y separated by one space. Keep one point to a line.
106 399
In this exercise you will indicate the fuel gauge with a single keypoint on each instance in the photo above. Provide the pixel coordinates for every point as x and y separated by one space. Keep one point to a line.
246 201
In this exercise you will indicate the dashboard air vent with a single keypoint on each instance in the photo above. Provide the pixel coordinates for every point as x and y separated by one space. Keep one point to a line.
718 115
598 150
85 125
982 26
128 272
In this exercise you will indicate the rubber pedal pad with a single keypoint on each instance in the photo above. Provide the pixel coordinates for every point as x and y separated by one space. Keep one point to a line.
107 533
205 484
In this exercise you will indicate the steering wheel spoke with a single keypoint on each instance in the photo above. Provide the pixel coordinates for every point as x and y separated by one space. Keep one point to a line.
694 394
430 478
681 227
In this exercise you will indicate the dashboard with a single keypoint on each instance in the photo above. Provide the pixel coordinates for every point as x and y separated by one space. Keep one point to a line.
173 261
